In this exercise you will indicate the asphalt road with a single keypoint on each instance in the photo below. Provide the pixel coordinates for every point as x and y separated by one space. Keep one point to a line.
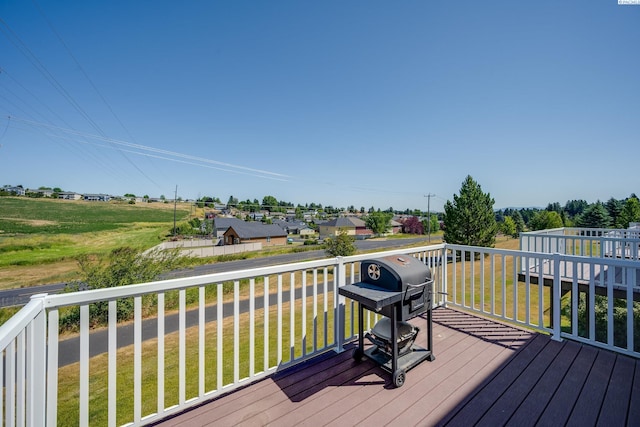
69 349
21 296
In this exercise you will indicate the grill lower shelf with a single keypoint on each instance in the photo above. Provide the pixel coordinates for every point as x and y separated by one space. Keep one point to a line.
405 362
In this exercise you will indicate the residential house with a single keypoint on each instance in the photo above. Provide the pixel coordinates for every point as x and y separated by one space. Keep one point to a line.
221 224
18 191
41 192
395 227
295 227
255 232
220 207
96 197
307 232
351 225
69 195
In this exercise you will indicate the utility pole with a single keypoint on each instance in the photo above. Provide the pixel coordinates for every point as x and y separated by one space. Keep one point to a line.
175 203
429 196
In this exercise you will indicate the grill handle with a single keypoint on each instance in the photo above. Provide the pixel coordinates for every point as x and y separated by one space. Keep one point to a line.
413 290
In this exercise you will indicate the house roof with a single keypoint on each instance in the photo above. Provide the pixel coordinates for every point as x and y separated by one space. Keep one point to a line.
249 230
222 223
345 221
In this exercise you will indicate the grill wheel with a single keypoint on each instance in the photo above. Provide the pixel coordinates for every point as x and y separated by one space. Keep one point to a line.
399 377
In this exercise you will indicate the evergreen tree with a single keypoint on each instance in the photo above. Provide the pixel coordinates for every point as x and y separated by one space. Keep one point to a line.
595 216
517 218
469 219
575 207
554 207
630 212
527 214
614 208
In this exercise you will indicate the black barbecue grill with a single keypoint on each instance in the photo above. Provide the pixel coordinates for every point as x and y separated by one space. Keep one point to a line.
400 288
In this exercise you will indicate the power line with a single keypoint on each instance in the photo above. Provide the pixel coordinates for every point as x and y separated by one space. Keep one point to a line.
4 72
80 67
187 157
24 49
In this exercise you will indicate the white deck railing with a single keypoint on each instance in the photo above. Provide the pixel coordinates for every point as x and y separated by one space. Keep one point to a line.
578 299
240 341
591 242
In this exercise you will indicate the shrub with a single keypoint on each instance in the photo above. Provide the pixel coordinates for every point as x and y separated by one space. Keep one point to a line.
619 320
341 245
123 266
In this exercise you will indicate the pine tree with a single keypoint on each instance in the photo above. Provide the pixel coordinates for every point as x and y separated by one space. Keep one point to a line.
614 208
630 212
469 219
517 218
595 216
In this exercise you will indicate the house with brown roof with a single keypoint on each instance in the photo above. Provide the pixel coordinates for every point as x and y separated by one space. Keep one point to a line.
255 232
352 225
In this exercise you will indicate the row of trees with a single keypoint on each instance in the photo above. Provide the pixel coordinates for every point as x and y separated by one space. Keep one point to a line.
471 220
272 204
575 213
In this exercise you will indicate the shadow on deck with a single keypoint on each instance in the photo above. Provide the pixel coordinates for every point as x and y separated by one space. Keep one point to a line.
485 373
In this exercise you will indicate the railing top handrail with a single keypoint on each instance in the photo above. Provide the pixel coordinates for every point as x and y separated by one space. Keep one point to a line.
484 249
616 262
106 294
609 261
565 230
543 232
361 257
591 238
19 321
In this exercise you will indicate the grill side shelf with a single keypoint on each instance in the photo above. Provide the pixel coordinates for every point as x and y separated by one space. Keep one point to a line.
372 297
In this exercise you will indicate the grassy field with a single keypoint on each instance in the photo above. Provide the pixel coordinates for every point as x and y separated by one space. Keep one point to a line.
38 232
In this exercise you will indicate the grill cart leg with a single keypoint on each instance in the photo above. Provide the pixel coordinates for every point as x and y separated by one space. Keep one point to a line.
358 352
431 357
394 342
397 375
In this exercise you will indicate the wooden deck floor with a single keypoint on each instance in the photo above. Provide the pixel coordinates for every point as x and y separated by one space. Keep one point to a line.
485 374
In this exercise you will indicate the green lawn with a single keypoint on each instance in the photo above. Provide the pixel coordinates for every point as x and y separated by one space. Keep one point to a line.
38 232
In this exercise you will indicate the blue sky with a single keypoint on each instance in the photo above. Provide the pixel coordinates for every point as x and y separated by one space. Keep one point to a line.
364 103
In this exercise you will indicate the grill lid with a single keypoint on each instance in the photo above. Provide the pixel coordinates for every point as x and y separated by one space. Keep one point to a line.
394 272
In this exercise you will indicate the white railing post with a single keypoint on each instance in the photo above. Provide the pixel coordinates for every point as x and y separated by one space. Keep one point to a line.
52 374
36 373
339 280
556 292
444 261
